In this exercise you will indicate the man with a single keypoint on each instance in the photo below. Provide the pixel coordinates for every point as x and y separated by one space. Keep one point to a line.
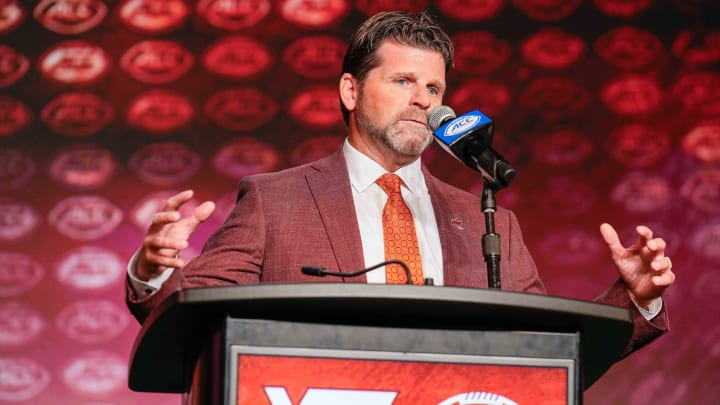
332 212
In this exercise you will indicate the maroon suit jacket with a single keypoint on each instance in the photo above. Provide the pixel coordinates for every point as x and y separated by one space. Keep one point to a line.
305 216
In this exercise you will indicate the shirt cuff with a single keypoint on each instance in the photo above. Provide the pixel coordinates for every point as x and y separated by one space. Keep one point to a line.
653 309
144 289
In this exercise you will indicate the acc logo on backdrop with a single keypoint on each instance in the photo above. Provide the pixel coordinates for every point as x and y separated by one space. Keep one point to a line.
245 156
701 190
89 268
16 169
19 273
641 193
703 141
631 94
160 111
19 325
547 10
470 10
628 47
564 196
77 114
156 61
697 48
82 166
165 163
371 7
153 16
638 146
233 15
315 56
74 62
96 373
85 217
14 115
553 48
240 109
555 98
578 246
21 379
491 97
17 220
316 106
315 148
479 52
314 13
562 148
92 322
699 92
13 66
622 8
12 15
70 16
237 57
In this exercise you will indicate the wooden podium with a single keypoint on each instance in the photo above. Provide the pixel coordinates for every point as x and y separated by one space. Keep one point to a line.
300 343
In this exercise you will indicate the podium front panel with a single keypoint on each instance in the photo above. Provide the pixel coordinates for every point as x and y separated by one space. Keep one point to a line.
277 362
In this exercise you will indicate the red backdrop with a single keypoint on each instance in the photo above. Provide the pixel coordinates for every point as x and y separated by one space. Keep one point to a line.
608 109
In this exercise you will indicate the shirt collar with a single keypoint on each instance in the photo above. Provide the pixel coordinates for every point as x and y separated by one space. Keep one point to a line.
364 171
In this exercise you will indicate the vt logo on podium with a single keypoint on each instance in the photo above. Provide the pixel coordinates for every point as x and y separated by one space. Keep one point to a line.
322 396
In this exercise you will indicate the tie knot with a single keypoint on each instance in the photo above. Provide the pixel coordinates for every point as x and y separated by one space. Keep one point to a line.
390 183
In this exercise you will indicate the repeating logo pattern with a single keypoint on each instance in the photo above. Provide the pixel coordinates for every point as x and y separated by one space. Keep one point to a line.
608 109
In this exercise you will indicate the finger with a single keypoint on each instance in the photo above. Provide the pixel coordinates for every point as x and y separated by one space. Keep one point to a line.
661 264
611 239
664 280
165 217
159 242
177 200
162 260
203 211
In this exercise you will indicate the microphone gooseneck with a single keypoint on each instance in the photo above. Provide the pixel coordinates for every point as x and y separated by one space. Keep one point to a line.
319 271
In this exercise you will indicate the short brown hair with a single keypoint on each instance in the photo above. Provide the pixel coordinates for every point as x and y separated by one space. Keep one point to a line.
417 30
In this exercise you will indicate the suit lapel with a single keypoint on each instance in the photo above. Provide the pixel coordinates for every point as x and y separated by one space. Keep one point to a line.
330 187
454 238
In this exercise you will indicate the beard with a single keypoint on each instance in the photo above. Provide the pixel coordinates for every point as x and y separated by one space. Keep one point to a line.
407 141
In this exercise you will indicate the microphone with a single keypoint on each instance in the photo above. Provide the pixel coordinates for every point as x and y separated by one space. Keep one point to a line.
322 271
468 138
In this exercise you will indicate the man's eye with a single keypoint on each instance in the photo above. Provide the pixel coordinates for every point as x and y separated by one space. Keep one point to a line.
434 91
401 81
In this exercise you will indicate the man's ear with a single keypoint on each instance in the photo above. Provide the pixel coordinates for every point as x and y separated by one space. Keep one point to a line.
349 90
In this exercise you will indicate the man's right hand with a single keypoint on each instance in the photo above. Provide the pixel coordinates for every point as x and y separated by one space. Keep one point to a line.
168 234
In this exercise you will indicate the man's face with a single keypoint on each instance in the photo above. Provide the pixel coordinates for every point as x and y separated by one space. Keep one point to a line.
396 96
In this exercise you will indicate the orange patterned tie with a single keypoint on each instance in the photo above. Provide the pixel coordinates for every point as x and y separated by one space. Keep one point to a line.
399 234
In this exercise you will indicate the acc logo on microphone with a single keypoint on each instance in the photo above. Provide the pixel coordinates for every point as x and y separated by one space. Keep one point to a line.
157 61
12 15
70 16
461 124
153 16
13 66
77 114
233 15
